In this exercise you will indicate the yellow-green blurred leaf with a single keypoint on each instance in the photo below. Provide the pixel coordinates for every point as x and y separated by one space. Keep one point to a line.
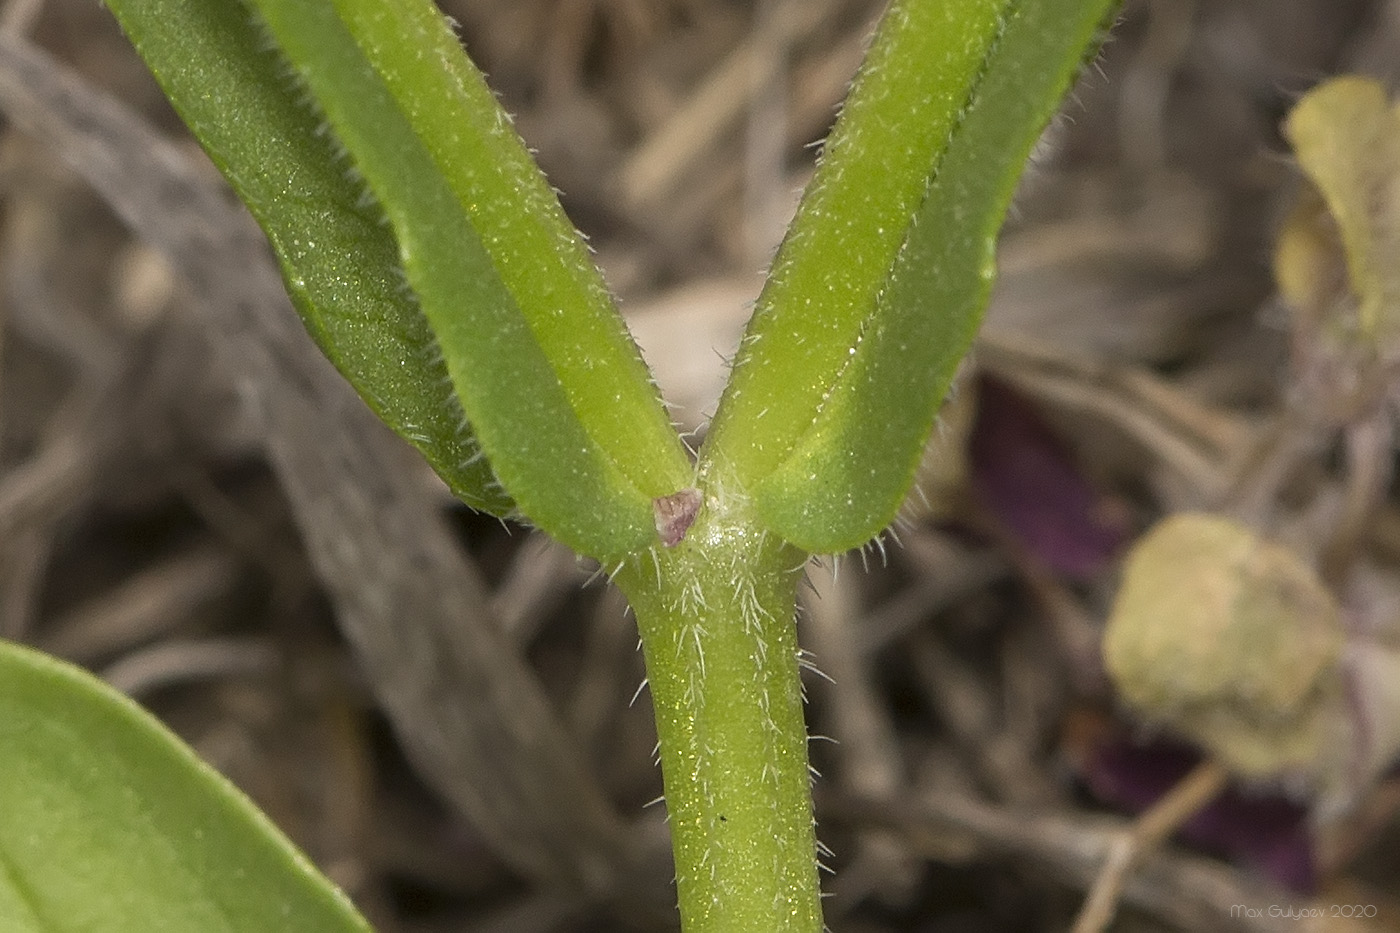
1346 136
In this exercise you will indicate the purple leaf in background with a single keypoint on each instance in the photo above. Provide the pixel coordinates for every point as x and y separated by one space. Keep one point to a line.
1267 832
1024 476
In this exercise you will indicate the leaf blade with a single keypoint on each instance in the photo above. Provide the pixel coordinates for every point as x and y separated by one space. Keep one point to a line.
879 288
541 445
214 65
535 250
108 821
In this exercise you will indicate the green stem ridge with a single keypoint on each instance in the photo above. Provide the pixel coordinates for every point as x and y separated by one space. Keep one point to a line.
716 617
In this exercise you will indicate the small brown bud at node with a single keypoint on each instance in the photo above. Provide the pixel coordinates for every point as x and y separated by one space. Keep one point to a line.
675 513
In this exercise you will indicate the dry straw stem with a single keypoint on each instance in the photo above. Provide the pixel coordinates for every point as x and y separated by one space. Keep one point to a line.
1152 828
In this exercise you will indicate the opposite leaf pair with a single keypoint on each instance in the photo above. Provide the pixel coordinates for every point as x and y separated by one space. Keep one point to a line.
504 341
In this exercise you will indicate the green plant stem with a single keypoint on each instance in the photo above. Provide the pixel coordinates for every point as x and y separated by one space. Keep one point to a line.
716 616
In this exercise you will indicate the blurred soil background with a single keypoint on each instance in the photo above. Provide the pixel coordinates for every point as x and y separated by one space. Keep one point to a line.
981 766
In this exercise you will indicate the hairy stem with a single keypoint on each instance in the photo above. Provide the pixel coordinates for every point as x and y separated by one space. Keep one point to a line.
716 615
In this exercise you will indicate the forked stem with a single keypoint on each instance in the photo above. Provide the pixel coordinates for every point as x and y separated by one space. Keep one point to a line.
716 616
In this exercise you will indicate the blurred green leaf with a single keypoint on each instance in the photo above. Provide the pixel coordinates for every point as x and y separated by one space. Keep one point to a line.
109 822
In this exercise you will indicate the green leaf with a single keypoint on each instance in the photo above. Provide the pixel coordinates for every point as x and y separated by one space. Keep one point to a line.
339 260
879 287
538 355
109 822
520 327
